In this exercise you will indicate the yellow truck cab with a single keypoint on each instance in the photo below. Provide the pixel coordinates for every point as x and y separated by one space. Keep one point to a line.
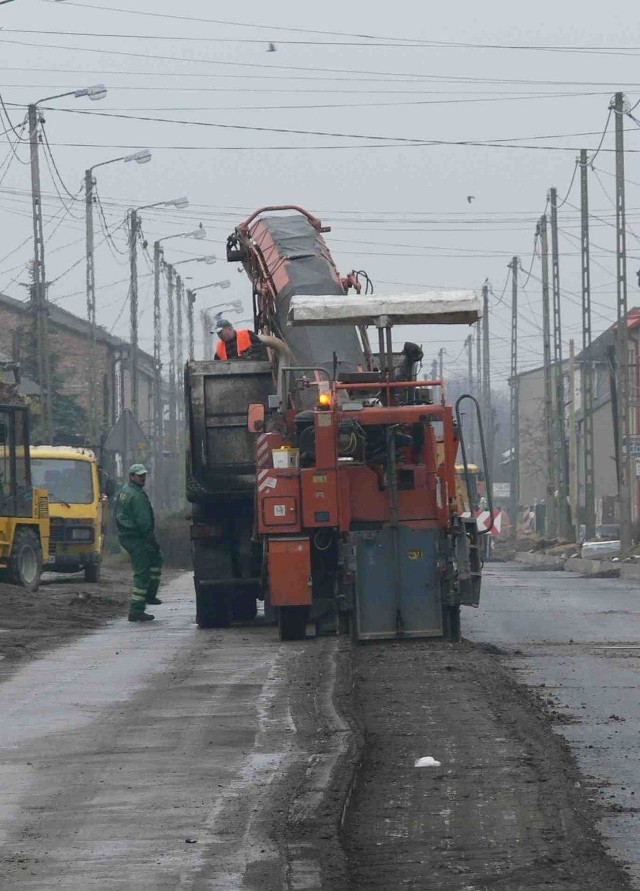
77 508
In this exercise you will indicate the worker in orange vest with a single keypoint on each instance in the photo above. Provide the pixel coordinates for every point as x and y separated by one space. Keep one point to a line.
232 343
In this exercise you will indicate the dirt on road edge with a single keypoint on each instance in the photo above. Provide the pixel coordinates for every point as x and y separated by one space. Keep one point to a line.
508 810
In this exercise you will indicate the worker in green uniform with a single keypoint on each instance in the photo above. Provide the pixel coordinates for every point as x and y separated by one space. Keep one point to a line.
136 523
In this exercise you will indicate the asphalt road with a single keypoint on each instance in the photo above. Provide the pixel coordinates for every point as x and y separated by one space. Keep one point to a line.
577 642
161 756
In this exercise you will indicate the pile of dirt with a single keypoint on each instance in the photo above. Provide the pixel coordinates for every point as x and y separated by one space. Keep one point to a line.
64 606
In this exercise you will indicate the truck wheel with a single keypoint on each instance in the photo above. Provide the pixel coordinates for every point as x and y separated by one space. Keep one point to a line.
25 562
292 621
212 608
92 572
451 623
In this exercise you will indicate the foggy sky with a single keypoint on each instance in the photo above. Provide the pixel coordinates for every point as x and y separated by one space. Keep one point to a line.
400 212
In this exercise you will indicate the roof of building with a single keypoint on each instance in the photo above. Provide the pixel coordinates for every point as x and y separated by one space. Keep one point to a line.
597 351
65 319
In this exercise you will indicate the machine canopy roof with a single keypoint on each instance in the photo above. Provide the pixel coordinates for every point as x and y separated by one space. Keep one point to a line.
427 308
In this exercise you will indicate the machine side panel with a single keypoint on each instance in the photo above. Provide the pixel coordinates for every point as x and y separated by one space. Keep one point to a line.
417 611
289 572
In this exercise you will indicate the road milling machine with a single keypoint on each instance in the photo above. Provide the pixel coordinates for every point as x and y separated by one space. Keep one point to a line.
323 479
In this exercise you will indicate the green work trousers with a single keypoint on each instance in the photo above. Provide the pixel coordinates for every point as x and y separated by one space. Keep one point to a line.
146 560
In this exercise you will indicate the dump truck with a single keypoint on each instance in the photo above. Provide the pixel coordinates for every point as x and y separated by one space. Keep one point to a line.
324 480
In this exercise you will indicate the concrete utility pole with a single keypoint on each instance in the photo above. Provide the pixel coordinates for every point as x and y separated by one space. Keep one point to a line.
179 343
191 299
180 430
472 421
39 291
158 407
479 362
134 229
573 441
173 396
586 370
95 413
441 353
564 526
486 380
624 458
552 474
514 492
91 305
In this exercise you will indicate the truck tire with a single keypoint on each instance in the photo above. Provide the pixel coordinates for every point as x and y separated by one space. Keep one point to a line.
292 622
25 562
212 607
451 623
92 572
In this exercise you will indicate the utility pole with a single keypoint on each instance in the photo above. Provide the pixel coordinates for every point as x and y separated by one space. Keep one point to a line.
564 527
180 343
40 313
486 380
94 430
158 408
624 458
180 438
472 421
479 396
573 442
586 370
134 228
434 370
173 401
552 475
191 299
441 353
514 492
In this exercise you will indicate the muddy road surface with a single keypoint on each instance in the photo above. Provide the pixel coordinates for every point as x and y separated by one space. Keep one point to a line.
167 757
161 756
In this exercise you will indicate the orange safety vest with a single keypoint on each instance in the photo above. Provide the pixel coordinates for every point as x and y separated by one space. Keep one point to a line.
243 342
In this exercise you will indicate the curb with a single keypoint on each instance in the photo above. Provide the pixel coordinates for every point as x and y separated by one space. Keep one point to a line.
604 569
541 561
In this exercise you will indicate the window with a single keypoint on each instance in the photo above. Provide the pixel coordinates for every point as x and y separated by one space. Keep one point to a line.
65 479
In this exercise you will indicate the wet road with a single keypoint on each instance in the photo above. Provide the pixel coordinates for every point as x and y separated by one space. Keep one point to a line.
159 756
577 641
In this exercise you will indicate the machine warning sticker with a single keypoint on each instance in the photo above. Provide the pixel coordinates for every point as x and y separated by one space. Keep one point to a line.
279 510
416 555
319 477
270 483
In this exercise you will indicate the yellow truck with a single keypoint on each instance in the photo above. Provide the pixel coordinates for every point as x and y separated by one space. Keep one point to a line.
24 508
77 508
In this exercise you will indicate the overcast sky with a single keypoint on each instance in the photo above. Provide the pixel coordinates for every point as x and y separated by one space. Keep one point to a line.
397 208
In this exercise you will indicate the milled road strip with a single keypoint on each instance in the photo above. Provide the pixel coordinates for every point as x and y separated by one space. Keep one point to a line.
118 748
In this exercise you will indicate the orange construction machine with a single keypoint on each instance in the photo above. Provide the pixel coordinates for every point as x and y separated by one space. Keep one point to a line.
353 505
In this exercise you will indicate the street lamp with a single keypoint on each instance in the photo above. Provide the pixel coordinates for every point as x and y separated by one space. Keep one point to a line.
141 157
210 260
174 286
134 228
39 275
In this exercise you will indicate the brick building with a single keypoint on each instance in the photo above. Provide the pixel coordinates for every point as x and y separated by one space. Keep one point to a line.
69 346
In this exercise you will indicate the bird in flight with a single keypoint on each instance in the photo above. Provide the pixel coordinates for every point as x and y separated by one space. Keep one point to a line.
470 198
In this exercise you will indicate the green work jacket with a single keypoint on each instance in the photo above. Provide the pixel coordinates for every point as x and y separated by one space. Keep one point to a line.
134 514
